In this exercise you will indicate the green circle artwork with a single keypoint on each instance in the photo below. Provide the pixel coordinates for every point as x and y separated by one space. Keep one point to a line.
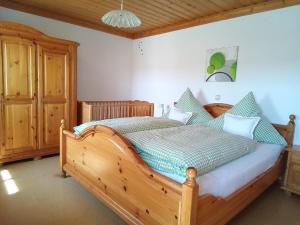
232 70
210 69
216 61
222 65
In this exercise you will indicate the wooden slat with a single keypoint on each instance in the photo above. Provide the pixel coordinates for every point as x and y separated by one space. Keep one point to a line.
246 2
170 9
155 9
226 5
202 6
208 5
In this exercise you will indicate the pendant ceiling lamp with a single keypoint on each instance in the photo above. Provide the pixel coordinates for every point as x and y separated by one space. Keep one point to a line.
121 18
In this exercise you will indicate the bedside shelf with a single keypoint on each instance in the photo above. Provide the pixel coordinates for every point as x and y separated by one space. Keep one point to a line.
292 173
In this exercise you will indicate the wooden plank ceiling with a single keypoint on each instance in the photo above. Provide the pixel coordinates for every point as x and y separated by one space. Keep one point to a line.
158 16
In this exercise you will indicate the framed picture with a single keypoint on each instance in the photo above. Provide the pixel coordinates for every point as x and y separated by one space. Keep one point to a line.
221 64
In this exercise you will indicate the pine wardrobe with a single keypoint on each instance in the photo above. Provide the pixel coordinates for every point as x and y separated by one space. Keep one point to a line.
37 91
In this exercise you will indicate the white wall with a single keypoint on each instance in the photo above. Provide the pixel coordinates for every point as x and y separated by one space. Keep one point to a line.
104 60
268 63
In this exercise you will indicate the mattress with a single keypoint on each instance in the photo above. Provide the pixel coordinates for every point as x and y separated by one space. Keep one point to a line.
228 178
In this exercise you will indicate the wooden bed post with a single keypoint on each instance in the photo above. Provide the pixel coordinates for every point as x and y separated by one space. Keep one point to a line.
62 148
290 131
189 200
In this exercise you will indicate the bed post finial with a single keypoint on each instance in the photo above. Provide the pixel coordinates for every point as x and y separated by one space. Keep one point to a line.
292 118
62 148
62 124
191 174
189 198
290 130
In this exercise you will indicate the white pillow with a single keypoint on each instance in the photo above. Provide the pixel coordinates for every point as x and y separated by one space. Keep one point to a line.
178 114
240 125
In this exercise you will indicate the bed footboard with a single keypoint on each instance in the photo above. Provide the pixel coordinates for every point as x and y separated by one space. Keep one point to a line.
107 165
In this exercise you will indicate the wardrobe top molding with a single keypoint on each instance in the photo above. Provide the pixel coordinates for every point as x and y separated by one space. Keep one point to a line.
24 31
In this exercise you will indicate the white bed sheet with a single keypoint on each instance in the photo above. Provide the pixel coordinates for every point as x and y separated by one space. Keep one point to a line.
228 178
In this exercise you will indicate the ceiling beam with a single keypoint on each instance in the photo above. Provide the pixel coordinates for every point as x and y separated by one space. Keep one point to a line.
242 11
44 13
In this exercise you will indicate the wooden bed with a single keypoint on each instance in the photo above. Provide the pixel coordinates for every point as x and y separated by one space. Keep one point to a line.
105 163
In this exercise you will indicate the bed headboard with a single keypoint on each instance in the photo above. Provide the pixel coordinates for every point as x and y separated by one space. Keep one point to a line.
99 110
287 130
217 109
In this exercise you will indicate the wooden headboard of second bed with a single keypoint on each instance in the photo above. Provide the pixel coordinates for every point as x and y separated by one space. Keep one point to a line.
100 110
217 109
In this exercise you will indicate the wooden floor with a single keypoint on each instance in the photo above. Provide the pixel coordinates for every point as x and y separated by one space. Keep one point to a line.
44 198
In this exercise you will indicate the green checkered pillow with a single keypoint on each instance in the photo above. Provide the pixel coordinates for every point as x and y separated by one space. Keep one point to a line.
264 132
189 103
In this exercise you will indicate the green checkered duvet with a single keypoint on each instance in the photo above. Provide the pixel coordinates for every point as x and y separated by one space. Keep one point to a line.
174 149
131 124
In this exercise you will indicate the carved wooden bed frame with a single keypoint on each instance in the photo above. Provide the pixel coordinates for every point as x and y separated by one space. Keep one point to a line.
105 163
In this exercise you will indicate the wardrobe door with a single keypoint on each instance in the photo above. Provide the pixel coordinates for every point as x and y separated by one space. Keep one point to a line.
53 106
18 95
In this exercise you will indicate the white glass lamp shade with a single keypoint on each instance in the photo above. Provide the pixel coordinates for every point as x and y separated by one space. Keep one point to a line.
121 19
